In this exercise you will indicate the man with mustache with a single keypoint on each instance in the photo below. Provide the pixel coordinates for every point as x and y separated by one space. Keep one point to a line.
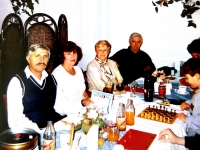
31 93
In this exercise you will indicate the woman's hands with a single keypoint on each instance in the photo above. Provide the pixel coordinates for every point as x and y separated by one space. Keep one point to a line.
184 106
87 102
181 117
168 136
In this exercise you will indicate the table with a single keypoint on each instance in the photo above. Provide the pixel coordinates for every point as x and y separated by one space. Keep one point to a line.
178 127
173 96
145 125
151 126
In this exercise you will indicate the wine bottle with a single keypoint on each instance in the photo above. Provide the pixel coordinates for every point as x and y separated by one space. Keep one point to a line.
148 86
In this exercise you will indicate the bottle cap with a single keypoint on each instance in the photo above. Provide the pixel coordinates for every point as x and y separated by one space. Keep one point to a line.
161 83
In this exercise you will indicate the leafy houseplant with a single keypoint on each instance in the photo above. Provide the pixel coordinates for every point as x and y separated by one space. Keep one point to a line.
23 6
88 117
189 7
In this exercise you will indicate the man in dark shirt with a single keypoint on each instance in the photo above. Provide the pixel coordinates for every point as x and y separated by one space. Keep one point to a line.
133 62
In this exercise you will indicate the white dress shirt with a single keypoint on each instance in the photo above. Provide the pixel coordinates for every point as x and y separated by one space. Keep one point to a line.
15 108
70 89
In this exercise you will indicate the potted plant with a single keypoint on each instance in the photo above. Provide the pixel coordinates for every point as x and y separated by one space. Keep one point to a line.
189 7
23 6
89 116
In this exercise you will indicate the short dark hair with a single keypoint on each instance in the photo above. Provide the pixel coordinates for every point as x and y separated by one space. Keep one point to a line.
194 46
191 66
70 46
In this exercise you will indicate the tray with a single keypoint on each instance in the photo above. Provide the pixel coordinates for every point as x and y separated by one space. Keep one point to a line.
136 140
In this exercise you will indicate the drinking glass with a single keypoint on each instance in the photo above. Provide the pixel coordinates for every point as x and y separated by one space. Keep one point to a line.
133 91
120 87
132 87
113 133
109 87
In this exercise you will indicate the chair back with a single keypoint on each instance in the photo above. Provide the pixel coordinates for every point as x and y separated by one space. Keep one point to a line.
12 34
40 28
62 36
62 29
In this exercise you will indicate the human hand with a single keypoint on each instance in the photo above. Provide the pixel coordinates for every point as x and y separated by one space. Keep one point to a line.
117 64
181 116
155 73
87 102
168 136
184 106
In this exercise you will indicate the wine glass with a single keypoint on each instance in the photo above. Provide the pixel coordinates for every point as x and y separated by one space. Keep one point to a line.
132 87
120 87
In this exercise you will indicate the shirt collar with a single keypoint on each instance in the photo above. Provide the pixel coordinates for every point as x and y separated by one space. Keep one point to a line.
132 51
29 73
97 59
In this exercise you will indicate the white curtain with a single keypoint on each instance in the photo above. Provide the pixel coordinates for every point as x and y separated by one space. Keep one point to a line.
165 33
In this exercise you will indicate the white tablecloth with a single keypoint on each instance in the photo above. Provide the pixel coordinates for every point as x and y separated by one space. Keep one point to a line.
149 126
145 125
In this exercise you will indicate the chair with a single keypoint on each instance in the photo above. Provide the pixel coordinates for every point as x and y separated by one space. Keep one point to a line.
12 34
86 83
40 28
62 29
62 36
71 136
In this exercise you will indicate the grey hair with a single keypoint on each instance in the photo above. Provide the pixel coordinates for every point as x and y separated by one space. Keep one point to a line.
135 34
35 47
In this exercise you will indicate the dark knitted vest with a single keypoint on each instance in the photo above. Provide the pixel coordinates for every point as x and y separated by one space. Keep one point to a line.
38 101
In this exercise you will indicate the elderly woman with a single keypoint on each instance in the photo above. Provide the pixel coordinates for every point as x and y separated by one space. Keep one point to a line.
102 70
70 81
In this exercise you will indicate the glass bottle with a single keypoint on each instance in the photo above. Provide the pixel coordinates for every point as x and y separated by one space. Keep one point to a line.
148 86
49 137
162 89
121 118
130 112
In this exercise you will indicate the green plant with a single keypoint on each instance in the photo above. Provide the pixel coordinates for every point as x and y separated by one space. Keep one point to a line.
189 7
24 6
89 116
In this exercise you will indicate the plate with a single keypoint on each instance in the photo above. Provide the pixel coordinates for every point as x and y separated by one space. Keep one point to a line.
186 93
163 103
